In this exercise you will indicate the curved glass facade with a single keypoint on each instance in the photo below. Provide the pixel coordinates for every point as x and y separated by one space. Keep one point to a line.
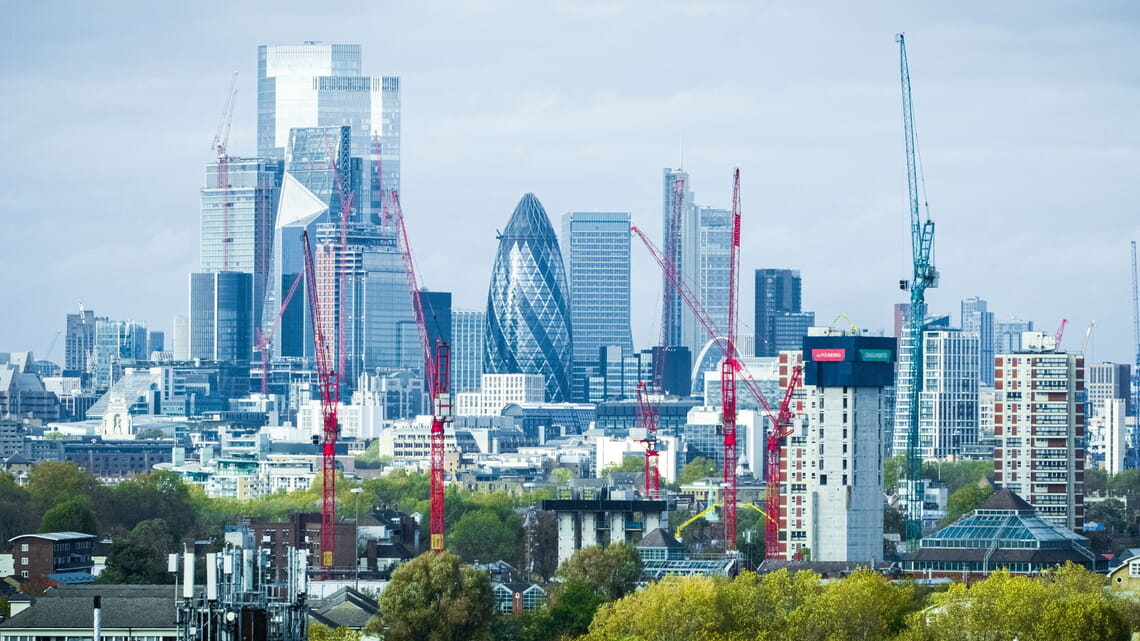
527 327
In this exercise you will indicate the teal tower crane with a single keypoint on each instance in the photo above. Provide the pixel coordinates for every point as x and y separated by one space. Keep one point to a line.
924 276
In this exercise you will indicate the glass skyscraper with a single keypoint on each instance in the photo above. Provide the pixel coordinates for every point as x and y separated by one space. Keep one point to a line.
314 84
977 321
379 325
597 254
778 292
116 342
221 316
467 327
237 222
528 325
679 323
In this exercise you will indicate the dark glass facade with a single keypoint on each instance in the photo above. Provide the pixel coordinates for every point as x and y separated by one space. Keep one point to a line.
528 312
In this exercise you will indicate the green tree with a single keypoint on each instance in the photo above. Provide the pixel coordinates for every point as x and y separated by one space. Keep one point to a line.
482 535
139 556
1113 513
70 516
613 571
52 482
1096 481
672 609
155 495
434 597
5 609
1126 483
964 501
16 514
863 606
561 475
628 464
319 632
572 608
150 434
958 474
892 472
696 469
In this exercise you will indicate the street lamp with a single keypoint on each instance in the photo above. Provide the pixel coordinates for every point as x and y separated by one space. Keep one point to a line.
356 536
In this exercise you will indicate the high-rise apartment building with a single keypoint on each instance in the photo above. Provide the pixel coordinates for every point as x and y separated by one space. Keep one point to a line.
528 325
778 292
1039 424
977 321
1108 404
832 466
948 404
597 250
237 222
314 84
221 316
714 256
467 327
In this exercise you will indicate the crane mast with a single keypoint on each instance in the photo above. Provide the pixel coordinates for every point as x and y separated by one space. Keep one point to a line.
781 421
222 172
328 381
437 369
647 419
923 276
1136 344
728 371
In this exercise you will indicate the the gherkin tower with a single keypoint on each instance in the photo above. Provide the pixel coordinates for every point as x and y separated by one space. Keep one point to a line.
528 304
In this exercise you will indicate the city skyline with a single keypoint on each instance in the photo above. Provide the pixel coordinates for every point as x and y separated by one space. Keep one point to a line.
1023 116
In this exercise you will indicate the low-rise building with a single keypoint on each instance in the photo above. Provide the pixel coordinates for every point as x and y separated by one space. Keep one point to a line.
61 557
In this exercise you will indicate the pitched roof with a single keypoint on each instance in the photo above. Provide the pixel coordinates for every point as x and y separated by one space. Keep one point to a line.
660 538
124 606
345 607
1005 499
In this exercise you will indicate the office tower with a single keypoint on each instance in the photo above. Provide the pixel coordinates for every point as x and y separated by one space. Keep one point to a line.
976 321
678 243
597 252
834 459
317 167
379 322
901 318
789 329
1007 335
1108 434
117 343
437 316
79 340
948 404
155 342
1108 381
320 85
237 222
778 292
528 327
221 316
1039 424
714 256
498 390
467 327
181 339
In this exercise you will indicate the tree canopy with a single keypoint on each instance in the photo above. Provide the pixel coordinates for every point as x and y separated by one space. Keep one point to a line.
434 597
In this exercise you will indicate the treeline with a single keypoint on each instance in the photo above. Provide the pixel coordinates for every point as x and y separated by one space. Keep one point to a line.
435 597
151 515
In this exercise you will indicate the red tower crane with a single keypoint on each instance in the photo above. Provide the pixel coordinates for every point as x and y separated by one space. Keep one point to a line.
328 381
647 419
437 368
1059 334
781 421
222 173
773 500
728 371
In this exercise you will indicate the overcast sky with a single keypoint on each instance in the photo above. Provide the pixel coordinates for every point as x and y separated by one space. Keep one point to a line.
1028 117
